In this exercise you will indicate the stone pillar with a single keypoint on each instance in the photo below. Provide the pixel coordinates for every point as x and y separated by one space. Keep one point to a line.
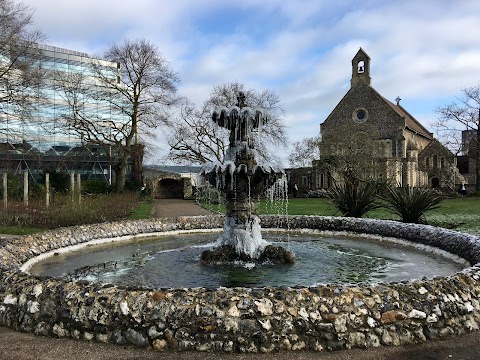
5 190
79 189
72 186
47 190
25 188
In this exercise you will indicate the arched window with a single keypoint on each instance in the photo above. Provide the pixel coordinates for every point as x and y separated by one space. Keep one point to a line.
361 67
442 162
435 161
427 162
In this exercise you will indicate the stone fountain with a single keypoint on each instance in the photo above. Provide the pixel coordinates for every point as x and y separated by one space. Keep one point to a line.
242 177
267 319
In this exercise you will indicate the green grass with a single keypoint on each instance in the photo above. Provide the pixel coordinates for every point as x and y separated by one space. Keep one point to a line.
300 206
13 230
143 211
462 214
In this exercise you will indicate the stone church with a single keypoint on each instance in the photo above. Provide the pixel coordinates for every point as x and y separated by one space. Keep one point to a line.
371 136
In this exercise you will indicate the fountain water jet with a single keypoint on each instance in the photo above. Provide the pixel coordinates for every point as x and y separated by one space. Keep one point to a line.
242 177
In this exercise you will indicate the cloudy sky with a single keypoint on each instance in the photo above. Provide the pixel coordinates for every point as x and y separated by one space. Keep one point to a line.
424 51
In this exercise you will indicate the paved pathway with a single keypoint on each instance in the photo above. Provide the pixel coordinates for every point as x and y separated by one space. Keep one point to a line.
177 207
19 346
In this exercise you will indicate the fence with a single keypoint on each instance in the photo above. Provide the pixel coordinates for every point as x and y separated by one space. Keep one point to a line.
74 189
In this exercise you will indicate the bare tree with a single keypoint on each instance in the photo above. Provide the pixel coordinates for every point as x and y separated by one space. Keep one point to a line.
20 70
304 152
357 154
463 114
139 97
194 137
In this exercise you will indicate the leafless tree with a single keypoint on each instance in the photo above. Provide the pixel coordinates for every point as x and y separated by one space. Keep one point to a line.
139 97
20 70
349 153
304 151
463 114
194 137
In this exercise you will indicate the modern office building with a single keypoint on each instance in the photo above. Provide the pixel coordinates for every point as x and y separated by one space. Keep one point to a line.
41 141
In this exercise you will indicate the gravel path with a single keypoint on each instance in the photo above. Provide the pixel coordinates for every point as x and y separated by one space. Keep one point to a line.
20 346
177 207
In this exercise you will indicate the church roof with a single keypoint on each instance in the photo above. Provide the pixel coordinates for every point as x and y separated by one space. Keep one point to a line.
361 52
410 122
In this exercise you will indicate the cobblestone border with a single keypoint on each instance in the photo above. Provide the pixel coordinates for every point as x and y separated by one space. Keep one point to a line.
327 317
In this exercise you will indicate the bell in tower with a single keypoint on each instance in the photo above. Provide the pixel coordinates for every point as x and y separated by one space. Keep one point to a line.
361 68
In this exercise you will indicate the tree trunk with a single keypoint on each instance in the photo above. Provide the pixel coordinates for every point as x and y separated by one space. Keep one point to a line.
477 160
138 150
121 176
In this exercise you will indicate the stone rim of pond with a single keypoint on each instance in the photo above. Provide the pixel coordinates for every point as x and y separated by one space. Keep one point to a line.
329 317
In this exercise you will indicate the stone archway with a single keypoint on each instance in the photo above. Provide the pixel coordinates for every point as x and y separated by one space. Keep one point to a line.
172 186
435 182
170 189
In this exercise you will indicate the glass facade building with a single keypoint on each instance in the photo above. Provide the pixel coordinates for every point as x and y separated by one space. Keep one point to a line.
41 141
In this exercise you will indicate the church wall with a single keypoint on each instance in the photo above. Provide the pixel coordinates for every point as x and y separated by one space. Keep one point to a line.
381 132
382 121
438 162
368 134
420 141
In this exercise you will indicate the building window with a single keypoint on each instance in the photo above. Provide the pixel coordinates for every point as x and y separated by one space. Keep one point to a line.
442 163
427 162
435 161
360 115
361 67
304 181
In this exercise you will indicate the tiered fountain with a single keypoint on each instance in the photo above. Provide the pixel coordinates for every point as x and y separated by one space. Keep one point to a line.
242 178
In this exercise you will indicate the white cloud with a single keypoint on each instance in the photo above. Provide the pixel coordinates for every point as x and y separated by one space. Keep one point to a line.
421 50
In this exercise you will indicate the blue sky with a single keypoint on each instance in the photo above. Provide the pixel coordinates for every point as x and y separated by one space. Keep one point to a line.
424 51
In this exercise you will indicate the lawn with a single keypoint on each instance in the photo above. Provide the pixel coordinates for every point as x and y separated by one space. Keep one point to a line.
461 214
143 211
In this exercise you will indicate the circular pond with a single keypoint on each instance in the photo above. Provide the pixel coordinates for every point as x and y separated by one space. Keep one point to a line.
173 261
241 319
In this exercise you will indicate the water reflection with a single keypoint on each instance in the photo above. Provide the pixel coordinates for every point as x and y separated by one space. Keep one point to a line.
174 262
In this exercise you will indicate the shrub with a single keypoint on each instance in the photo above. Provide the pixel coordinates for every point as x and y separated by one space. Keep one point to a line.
411 203
14 187
209 195
62 212
59 181
317 193
36 190
96 187
354 198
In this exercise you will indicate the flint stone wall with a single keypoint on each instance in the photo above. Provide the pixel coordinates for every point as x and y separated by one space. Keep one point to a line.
328 317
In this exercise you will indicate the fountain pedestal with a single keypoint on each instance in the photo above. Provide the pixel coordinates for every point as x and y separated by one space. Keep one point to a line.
241 178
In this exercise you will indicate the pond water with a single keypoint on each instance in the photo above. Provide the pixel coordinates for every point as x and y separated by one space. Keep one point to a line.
172 261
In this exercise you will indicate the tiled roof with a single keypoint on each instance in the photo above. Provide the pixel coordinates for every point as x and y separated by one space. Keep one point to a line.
410 121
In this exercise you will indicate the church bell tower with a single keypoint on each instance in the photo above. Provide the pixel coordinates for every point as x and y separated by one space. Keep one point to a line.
361 68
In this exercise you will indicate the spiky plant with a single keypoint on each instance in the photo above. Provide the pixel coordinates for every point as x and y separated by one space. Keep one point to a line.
411 203
354 198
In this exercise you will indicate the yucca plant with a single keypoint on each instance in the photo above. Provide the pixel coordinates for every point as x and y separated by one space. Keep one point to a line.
411 203
354 198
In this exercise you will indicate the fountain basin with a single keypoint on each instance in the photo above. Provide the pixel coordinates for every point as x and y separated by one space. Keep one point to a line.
322 259
326 317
